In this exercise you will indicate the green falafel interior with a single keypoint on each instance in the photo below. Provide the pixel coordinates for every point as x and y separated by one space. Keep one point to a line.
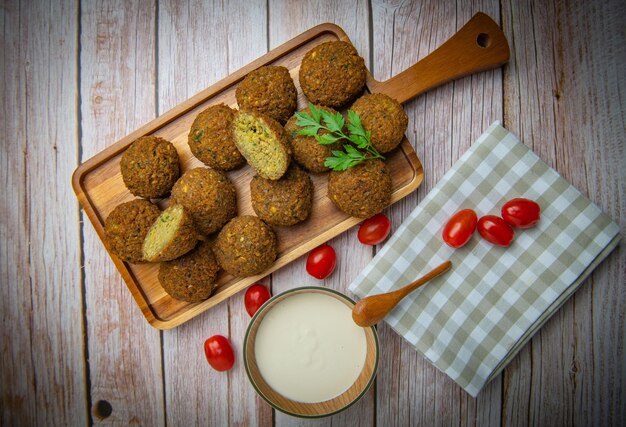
261 143
170 236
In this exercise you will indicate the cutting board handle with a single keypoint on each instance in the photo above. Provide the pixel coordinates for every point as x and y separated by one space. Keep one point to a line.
478 46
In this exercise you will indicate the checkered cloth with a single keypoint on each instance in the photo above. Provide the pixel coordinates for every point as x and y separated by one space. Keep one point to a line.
471 321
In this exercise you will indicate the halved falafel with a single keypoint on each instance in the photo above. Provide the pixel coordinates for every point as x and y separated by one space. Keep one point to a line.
245 246
362 190
268 90
171 236
332 74
262 142
126 228
150 167
286 201
309 153
211 138
208 196
384 117
191 277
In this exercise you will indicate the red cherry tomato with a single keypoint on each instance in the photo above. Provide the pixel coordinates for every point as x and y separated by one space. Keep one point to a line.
495 230
460 228
374 230
219 353
521 213
321 261
256 295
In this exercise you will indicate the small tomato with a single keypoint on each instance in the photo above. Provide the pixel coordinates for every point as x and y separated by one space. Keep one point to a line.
459 229
321 261
219 353
374 230
495 230
521 213
256 295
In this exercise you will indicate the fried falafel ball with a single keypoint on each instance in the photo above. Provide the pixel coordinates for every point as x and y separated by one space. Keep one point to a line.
268 90
211 138
246 246
191 277
307 152
286 201
150 167
208 196
384 117
362 190
332 74
126 228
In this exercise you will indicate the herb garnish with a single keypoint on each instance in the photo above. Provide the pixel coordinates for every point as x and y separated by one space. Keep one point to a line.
334 123
197 136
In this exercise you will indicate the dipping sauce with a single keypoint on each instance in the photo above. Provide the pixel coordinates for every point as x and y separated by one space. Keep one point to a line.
308 348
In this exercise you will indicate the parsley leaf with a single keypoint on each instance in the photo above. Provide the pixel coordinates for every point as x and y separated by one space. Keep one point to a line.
334 123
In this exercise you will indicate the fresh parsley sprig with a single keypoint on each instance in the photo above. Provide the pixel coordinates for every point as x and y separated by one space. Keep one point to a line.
334 123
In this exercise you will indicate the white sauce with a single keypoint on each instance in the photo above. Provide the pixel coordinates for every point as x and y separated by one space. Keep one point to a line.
308 348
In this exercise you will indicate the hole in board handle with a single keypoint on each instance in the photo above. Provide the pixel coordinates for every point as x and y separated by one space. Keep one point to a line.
483 40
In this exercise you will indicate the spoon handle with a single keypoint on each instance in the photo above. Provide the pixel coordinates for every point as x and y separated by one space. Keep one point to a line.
404 291
374 308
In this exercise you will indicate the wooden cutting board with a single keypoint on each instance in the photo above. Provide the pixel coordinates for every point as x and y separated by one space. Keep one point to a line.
478 46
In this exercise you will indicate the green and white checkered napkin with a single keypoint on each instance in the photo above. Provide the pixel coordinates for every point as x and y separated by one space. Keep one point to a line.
471 321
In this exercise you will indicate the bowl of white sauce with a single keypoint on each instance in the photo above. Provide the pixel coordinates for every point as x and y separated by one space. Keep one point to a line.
306 357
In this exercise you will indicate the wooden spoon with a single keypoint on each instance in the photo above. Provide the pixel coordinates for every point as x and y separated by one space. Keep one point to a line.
371 310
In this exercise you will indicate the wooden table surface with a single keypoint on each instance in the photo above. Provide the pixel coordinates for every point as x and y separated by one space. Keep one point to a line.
79 75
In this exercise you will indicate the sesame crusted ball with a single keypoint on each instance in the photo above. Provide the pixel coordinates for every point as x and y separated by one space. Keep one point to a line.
268 90
384 117
362 190
150 167
191 277
208 196
211 139
126 228
246 246
332 74
286 201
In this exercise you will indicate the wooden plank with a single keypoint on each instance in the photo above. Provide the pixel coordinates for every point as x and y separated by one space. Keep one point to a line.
117 65
442 125
286 20
187 66
247 39
563 99
17 376
43 368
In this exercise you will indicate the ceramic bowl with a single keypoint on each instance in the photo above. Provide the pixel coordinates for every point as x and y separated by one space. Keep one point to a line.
300 409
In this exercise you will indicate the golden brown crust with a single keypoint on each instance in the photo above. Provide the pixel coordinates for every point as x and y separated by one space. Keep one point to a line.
246 246
149 167
332 74
211 139
208 196
362 190
268 90
384 117
286 201
126 228
192 277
